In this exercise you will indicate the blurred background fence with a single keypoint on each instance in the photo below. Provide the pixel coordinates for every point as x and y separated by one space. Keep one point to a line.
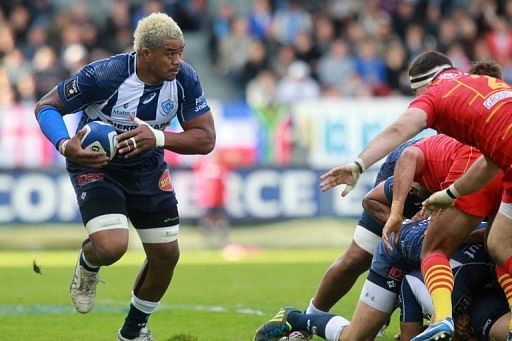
296 87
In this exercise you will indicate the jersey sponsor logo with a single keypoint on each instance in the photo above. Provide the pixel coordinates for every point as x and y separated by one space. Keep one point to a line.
471 250
396 273
149 98
487 323
391 284
463 304
121 113
168 220
165 181
128 127
200 103
369 296
71 89
451 75
84 179
495 98
167 107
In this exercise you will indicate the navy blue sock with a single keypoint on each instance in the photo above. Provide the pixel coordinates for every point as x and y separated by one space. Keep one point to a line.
312 323
84 264
134 322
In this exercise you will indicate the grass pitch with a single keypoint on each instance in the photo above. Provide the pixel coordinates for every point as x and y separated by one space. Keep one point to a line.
215 294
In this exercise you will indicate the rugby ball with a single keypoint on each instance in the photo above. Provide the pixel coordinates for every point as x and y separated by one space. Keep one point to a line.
100 136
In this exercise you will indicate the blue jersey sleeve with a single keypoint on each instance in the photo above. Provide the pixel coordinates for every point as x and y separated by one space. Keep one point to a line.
95 82
193 101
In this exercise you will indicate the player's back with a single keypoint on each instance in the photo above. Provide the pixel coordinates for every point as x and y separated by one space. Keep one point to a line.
445 158
474 109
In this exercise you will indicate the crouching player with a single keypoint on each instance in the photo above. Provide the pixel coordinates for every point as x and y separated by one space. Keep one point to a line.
378 297
343 272
480 308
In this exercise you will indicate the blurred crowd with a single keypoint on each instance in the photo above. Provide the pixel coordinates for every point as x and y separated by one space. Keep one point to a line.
44 41
289 50
276 51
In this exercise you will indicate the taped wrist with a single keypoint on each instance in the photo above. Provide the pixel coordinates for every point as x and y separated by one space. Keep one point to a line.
452 192
360 164
159 135
62 146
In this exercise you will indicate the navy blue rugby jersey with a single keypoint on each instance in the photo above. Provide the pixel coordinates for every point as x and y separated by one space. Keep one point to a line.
109 90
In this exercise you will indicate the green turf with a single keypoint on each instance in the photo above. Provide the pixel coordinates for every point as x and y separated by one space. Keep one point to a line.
210 298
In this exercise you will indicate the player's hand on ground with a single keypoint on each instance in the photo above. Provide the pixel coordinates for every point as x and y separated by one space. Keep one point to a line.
393 225
347 174
138 140
84 157
438 201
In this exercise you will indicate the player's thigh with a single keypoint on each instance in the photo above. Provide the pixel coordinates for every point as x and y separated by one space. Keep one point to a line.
447 230
106 222
499 240
102 208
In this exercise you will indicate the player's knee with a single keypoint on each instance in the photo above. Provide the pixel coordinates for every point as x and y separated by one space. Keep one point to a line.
165 256
352 261
109 235
496 250
112 254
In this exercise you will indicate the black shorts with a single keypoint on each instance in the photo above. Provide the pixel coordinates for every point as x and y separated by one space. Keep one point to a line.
141 191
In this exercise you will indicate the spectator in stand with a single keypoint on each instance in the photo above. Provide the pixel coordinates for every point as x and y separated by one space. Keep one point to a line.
260 19
372 17
432 19
7 97
414 40
499 40
234 49
447 34
298 85
285 56
46 70
150 6
396 68
458 57
371 67
37 37
211 173
324 34
306 50
256 62
7 41
290 21
260 91
355 33
336 67
118 25
220 29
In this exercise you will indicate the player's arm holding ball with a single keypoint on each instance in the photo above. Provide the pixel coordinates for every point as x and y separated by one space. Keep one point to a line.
49 111
198 137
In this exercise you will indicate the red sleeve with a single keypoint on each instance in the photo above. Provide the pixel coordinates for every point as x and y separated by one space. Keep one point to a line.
425 102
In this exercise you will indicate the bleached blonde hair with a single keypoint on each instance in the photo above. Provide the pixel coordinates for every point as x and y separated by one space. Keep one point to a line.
153 29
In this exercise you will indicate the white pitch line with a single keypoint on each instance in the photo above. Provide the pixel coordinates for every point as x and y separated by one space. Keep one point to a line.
113 307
